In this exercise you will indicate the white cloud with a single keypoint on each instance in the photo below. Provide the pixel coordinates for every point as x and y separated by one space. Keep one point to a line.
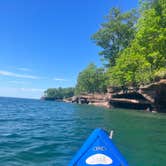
60 79
32 90
21 92
18 82
11 74
24 69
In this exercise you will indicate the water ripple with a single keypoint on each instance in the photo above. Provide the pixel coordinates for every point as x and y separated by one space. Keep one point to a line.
43 133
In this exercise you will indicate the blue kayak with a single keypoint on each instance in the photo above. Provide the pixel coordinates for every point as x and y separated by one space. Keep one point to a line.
98 150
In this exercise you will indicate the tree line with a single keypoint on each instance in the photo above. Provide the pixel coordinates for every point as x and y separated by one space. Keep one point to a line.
58 93
133 50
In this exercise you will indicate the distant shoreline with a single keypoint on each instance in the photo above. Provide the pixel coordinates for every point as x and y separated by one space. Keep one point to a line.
151 97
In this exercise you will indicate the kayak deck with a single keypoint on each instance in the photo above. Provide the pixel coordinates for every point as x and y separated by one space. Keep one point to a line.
98 150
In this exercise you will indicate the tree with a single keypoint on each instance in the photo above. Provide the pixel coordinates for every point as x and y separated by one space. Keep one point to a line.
131 69
145 58
58 93
91 80
151 35
116 34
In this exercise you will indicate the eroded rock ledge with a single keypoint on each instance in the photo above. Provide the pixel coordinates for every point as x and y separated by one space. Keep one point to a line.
151 97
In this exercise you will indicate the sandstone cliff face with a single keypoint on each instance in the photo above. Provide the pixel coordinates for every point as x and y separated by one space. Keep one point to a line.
130 100
156 94
151 97
92 99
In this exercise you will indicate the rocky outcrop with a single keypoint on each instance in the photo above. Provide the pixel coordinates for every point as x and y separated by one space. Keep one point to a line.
131 100
156 94
91 99
101 100
131 104
151 98
79 100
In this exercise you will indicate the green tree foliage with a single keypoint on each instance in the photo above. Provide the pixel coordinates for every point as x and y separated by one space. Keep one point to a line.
151 34
58 93
116 34
91 80
145 58
134 50
131 69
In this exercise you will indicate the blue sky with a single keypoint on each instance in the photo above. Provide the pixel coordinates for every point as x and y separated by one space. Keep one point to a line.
46 43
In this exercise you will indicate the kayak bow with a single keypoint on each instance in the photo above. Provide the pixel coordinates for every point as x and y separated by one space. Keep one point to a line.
98 150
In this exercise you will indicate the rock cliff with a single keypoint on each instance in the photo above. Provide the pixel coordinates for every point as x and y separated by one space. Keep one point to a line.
151 97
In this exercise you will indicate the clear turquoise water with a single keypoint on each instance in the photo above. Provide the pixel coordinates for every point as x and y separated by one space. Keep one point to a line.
43 133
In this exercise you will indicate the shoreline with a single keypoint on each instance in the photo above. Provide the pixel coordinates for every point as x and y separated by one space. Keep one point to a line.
151 98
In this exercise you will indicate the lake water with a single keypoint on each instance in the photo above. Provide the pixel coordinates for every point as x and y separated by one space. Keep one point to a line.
45 133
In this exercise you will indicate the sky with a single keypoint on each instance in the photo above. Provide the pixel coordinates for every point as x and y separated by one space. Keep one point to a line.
46 43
